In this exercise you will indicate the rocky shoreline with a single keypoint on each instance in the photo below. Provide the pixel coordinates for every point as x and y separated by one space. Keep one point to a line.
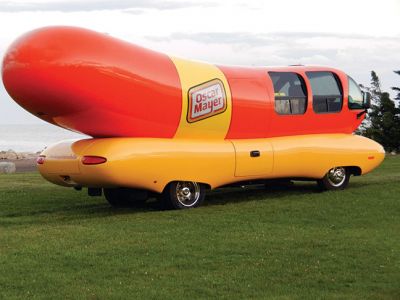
17 162
13 155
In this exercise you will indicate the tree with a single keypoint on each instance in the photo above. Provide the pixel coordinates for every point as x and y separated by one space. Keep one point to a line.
397 89
375 85
384 117
375 90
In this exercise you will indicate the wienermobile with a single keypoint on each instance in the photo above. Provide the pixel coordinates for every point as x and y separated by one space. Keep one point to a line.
173 127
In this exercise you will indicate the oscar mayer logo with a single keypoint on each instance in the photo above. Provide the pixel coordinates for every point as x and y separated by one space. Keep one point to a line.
206 100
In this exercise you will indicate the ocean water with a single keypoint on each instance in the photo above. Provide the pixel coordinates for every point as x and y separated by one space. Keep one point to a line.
33 138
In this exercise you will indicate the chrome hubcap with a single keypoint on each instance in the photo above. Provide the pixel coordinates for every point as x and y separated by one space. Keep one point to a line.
336 176
187 193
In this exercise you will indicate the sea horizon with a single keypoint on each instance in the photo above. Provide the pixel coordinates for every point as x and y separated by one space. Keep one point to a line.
33 137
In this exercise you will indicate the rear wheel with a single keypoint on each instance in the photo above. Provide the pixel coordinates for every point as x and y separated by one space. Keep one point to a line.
336 179
183 194
125 197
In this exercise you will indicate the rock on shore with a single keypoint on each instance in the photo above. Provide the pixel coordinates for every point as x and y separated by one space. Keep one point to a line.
12 161
7 168
12 155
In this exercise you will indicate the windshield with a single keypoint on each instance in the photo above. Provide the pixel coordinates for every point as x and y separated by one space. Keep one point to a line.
355 95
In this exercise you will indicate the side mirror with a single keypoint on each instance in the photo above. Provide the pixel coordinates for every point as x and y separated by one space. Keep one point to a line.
366 100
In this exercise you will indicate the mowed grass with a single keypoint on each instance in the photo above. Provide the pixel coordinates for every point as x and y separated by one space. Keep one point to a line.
251 243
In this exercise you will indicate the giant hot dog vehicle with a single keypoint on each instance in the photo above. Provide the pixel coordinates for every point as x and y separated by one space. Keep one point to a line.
176 127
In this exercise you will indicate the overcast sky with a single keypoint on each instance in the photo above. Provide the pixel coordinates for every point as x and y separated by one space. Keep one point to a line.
355 36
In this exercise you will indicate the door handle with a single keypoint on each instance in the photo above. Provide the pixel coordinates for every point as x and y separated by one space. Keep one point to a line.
255 153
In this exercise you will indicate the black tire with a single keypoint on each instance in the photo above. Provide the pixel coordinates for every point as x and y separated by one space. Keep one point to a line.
183 194
335 179
125 197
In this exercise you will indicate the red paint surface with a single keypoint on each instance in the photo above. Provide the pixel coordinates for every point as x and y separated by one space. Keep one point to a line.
104 87
94 84
253 111
344 121
251 104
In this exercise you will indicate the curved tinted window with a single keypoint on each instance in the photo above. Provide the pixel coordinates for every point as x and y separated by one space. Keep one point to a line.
327 93
290 93
355 95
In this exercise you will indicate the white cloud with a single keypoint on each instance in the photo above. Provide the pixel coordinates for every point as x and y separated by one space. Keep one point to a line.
93 5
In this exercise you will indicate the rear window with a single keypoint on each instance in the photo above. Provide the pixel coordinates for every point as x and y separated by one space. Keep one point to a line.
290 93
327 92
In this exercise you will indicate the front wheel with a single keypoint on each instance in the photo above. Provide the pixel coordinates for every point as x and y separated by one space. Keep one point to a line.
183 194
336 179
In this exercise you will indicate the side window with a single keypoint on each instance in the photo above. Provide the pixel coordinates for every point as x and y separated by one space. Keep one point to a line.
327 92
355 95
290 93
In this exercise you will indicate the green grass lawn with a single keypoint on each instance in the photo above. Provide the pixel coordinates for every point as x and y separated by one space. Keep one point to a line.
57 243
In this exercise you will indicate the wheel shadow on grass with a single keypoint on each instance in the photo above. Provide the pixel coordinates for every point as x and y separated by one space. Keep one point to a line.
259 192
62 210
63 214
99 208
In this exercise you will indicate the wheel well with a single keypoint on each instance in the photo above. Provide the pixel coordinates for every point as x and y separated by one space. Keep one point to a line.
354 170
206 185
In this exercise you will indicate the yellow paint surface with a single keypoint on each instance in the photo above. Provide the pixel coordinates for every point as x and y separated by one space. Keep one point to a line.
151 164
191 75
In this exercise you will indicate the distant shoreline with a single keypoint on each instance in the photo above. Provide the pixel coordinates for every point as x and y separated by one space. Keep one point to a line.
24 161
23 165
33 138
18 155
